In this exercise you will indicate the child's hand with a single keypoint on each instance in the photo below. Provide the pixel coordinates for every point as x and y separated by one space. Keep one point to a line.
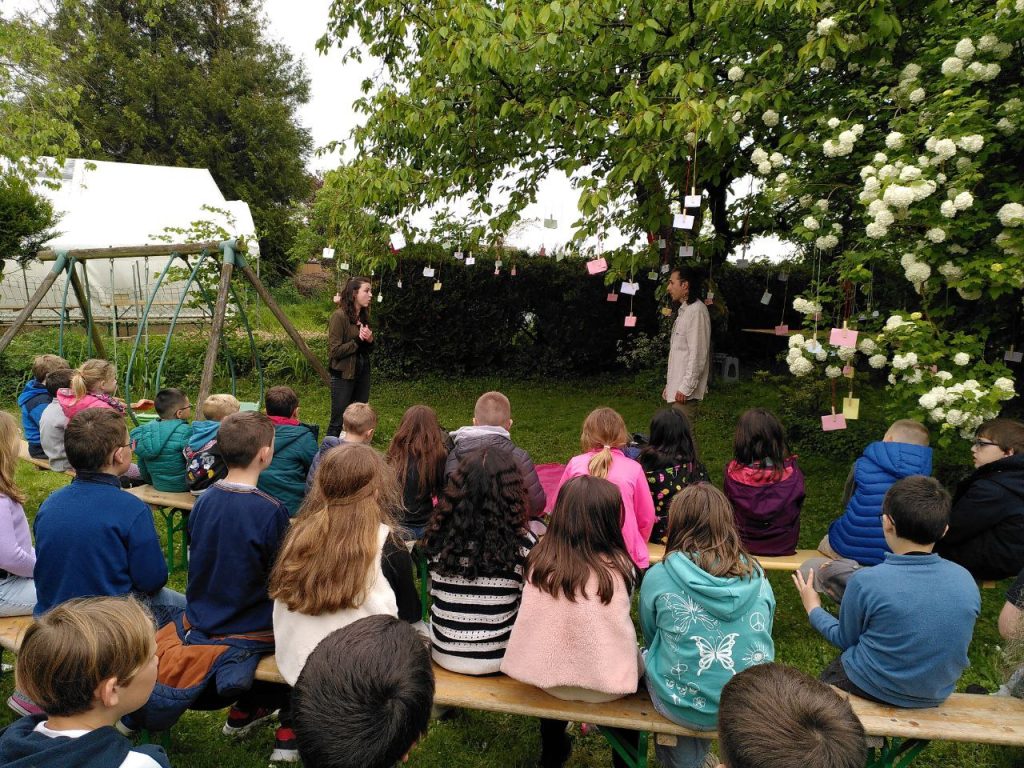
808 594
142 405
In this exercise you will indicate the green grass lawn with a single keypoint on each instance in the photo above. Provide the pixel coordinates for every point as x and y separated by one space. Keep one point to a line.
547 420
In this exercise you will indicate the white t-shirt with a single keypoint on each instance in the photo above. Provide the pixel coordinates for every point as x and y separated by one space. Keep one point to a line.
131 760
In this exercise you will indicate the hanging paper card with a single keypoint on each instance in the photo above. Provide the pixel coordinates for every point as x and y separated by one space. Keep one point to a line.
497 264
559 256
666 311
1013 357
766 298
875 313
813 346
848 371
782 330
742 263
337 297
688 221
597 266
513 272
344 266
328 253
397 241
613 296
833 422
665 268
458 255
685 251
652 275
661 243
428 271
842 337
398 284
783 277
470 261
630 321
629 289
380 297
437 286
543 251
691 201
497 270
677 221
551 223
711 296
851 408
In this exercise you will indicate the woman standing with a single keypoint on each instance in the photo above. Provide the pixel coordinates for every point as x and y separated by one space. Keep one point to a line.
349 343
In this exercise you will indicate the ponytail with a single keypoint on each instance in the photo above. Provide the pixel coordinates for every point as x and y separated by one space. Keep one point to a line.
600 462
90 375
78 387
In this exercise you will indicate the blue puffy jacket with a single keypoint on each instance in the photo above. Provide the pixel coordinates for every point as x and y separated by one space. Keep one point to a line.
33 401
858 533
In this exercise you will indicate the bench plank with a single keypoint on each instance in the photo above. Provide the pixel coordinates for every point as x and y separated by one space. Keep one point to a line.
24 455
656 552
12 628
163 499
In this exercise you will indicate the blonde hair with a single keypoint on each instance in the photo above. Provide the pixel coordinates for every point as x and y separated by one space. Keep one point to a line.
89 375
603 429
44 365
359 418
75 646
702 528
492 410
908 431
326 559
10 437
216 407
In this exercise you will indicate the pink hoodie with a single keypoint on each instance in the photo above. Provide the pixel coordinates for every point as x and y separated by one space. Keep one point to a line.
71 406
638 505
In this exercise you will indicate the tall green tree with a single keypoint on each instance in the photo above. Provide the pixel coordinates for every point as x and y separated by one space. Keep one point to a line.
193 83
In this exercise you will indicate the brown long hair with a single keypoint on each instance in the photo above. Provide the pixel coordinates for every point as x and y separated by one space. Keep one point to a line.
584 537
348 300
419 440
702 528
603 429
760 441
327 555
9 437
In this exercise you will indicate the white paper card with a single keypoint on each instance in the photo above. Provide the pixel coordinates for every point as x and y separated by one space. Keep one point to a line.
629 289
397 241
688 221
691 201
458 255
685 251
470 261
665 268
428 271
661 243
783 277
813 346
559 256
766 298
380 297
677 221
1013 357
328 253
742 263
398 284
551 223
652 275
344 266
497 263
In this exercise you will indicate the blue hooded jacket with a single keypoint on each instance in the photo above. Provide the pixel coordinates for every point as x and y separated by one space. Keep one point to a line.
22 747
858 533
285 478
33 401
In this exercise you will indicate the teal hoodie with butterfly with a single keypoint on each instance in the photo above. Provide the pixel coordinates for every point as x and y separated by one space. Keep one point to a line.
701 630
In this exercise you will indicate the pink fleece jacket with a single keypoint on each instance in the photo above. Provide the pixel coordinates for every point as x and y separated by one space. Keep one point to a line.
71 406
638 505
582 644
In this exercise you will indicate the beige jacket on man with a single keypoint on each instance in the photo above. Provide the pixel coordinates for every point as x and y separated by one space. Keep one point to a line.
689 353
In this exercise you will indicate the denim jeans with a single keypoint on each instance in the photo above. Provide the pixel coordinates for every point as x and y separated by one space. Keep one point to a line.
17 596
165 605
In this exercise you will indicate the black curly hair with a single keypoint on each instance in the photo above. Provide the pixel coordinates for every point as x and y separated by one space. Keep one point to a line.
478 525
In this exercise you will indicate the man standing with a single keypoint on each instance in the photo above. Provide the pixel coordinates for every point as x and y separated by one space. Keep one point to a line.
688 357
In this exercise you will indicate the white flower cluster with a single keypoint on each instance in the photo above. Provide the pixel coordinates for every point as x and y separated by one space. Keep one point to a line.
833 371
843 144
826 242
799 365
805 307
902 362
1011 215
894 140
735 73
825 26
811 223
961 358
951 272
979 71
765 162
966 396
972 143
770 118
942 148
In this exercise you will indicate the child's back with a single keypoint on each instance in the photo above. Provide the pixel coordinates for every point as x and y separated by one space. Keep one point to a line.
857 534
28 743
159 445
285 478
204 464
766 505
236 531
35 397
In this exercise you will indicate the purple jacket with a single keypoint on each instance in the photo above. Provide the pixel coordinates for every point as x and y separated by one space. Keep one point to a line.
767 511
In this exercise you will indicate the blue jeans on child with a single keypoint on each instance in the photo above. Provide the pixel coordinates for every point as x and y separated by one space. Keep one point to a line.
165 605
688 752
17 596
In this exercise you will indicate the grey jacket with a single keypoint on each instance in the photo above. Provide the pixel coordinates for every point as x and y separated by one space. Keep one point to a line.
51 436
473 438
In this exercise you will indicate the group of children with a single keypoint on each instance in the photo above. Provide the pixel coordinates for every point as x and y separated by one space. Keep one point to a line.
550 607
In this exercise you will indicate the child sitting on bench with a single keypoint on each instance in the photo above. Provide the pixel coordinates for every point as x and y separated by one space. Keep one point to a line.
294 449
88 662
359 422
54 421
34 399
159 444
905 625
363 699
17 556
204 465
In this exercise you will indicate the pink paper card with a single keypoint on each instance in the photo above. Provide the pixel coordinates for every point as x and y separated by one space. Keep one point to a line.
848 371
630 321
613 296
830 423
513 272
842 337
782 330
597 266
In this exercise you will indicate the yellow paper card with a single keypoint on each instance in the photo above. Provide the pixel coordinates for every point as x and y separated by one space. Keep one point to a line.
851 407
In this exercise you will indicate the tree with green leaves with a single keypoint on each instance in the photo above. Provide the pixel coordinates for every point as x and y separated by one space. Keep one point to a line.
190 83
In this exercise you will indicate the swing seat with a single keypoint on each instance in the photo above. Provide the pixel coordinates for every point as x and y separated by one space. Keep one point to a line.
248 406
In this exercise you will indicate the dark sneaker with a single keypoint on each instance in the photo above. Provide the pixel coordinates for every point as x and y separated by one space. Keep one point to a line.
240 723
23 705
285 750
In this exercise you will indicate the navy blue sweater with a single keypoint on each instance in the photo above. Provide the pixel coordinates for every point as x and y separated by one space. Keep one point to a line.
236 531
904 627
22 747
92 538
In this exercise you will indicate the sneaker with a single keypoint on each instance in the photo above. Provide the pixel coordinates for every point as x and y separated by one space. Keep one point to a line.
240 723
23 705
285 750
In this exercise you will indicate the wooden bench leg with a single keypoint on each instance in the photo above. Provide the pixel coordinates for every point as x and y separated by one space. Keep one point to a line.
634 759
896 753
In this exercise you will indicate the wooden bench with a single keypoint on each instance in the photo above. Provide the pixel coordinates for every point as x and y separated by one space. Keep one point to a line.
24 455
169 505
904 732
